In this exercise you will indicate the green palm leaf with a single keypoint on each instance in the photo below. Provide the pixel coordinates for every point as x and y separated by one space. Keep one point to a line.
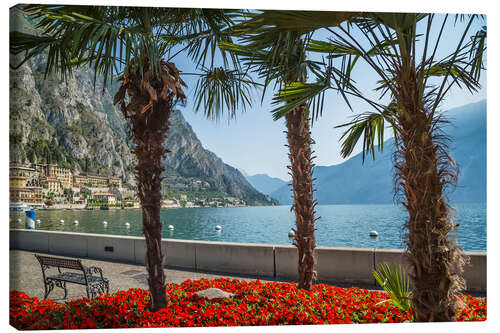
219 90
370 127
113 39
396 283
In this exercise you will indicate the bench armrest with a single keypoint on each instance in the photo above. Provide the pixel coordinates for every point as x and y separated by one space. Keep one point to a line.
93 269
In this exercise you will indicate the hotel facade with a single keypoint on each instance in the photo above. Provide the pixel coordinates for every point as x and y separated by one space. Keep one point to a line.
29 183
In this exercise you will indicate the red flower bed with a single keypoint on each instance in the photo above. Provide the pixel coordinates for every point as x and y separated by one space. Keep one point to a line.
254 303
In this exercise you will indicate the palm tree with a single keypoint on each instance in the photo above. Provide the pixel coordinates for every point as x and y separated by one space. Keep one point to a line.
280 57
138 44
417 81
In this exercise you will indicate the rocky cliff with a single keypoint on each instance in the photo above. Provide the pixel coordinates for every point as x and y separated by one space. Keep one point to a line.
188 157
70 123
74 124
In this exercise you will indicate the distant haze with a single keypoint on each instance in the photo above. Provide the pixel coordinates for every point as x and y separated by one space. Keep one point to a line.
265 184
353 182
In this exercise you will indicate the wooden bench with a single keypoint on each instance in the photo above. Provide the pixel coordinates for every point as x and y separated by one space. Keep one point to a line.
95 285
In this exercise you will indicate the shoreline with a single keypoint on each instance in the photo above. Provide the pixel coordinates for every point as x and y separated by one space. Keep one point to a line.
170 207
125 208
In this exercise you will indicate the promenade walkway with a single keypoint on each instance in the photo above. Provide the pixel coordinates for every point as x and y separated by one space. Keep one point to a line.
26 276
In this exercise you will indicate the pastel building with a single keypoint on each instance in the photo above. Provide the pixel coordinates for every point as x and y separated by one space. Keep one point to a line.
87 179
52 184
115 181
20 192
105 198
90 180
65 176
31 174
131 203
17 181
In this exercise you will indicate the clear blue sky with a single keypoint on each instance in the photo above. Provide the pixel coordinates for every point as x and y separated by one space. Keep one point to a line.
253 142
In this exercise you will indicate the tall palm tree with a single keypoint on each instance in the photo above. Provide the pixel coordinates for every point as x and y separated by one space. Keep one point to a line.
417 81
279 57
137 45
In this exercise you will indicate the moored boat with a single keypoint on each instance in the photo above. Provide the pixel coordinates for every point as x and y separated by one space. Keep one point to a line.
18 206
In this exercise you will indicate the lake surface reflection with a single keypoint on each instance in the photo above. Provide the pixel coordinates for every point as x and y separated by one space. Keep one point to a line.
339 225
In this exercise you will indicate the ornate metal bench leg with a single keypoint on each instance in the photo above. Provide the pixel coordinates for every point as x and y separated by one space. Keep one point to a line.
49 285
88 294
45 292
65 290
94 289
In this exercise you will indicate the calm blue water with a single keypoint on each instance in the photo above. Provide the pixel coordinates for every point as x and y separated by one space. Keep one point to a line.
339 225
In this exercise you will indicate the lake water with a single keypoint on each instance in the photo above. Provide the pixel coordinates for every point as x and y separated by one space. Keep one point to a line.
339 225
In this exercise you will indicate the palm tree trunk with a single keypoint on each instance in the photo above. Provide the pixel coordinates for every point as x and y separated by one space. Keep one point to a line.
299 143
423 170
147 114
149 136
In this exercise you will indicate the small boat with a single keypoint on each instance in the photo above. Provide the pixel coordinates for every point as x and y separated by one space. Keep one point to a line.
18 206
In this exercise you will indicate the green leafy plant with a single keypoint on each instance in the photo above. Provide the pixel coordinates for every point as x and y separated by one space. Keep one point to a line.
394 280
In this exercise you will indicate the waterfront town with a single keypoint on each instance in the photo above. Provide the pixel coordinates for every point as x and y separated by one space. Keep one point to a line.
100 94
50 186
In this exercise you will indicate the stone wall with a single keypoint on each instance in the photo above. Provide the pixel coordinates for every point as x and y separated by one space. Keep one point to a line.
334 264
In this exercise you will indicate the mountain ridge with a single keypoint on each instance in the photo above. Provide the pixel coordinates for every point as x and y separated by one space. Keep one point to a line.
76 125
265 183
352 182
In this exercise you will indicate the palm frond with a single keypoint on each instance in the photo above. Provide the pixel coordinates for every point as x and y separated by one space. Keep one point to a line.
302 22
477 50
395 21
202 30
70 38
220 91
370 127
396 283
296 94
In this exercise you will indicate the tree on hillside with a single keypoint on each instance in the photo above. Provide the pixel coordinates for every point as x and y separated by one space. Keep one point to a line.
279 57
138 45
417 80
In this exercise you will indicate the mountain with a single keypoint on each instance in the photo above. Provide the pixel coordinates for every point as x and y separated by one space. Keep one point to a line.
75 125
188 158
264 183
353 182
244 173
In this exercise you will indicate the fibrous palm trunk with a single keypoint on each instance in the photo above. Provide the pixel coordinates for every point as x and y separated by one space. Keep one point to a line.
299 143
423 170
147 113
149 152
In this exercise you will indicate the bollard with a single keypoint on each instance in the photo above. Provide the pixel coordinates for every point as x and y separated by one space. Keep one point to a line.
30 219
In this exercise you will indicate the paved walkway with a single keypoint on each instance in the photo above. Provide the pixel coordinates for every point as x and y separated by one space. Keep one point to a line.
26 275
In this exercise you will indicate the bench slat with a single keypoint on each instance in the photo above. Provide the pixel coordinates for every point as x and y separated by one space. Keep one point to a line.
95 284
76 278
60 262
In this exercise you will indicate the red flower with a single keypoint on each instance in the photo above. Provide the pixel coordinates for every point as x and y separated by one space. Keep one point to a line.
254 303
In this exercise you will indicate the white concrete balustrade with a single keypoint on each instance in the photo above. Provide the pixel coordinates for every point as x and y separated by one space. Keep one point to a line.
334 264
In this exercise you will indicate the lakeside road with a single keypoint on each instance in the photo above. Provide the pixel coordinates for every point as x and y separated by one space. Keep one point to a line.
26 276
